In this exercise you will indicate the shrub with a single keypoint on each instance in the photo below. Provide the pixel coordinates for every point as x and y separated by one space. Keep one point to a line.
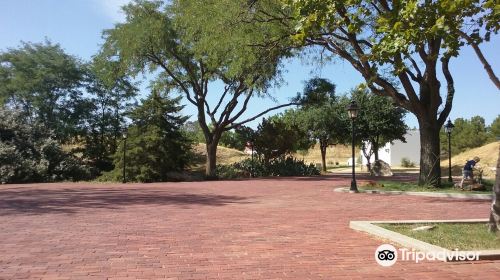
406 162
282 166
29 153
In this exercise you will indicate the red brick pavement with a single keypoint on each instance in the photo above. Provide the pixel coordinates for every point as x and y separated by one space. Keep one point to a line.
255 229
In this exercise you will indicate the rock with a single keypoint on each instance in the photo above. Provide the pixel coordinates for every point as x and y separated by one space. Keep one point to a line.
381 169
478 187
423 228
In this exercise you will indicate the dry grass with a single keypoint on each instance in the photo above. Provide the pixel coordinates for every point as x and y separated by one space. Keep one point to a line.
488 154
338 153
334 154
224 156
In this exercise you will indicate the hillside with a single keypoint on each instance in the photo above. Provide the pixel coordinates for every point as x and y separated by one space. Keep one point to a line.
487 153
224 156
337 154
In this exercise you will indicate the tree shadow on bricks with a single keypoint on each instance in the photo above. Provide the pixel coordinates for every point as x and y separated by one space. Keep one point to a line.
68 201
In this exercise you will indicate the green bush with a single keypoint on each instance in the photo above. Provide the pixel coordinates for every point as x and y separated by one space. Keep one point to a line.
282 166
29 153
406 162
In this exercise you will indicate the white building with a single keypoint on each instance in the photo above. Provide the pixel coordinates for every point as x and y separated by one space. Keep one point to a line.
393 153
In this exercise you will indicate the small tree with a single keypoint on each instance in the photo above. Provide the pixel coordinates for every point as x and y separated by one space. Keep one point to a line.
108 99
378 122
156 144
275 137
322 116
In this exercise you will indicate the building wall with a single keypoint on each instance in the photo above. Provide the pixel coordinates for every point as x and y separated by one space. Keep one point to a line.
393 153
409 150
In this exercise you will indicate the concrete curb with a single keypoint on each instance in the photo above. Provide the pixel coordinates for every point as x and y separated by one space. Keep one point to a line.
428 194
372 228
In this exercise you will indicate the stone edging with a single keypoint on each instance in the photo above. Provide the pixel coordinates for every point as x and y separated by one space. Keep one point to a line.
429 194
370 227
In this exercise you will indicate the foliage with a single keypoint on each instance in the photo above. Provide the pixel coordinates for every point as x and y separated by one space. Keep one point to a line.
182 45
44 83
321 115
378 121
466 134
155 144
281 166
237 138
495 128
406 162
107 100
398 48
29 153
275 138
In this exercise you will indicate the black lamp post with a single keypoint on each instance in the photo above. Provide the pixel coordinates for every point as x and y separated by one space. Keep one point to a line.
448 127
252 174
124 180
353 109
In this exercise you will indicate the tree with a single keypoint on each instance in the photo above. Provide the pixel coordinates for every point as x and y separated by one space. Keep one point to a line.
184 46
494 224
156 144
44 83
412 40
495 128
109 98
467 134
378 122
275 137
29 152
322 116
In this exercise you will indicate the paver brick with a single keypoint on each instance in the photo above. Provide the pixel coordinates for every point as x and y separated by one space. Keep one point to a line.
283 228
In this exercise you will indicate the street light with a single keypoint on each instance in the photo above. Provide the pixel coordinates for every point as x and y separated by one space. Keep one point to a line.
353 109
124 136
252 173
448 128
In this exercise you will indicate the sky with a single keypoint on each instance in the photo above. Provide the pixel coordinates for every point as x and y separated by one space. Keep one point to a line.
77 26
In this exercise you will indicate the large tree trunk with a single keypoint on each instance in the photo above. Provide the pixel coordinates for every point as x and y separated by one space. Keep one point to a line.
430 170
495 206
375 149
211 160
322 147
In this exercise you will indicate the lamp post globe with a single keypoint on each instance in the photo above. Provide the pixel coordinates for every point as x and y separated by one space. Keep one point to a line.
448 128
353 110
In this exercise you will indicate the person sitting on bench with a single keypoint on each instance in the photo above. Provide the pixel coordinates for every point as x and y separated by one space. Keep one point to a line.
467 172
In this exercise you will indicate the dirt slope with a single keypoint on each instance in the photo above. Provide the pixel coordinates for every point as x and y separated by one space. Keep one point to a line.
488 154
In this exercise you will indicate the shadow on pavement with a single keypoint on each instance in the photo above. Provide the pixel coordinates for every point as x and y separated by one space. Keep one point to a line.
67 201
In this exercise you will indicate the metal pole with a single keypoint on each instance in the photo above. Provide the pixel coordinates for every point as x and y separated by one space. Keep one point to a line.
124 159
354 187
252 173
449 158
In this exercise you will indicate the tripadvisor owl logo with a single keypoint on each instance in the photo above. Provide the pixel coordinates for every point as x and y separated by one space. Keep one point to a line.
386 255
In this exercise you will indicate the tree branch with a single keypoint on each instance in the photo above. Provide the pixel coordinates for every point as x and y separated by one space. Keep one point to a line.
481 57
261 114
450 91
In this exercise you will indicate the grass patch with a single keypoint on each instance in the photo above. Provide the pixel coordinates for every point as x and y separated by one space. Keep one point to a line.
461 236
413 187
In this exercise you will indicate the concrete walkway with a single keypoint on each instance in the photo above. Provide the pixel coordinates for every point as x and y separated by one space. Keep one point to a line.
285 228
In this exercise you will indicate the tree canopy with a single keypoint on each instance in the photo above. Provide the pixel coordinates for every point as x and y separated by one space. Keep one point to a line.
183 45
411 40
